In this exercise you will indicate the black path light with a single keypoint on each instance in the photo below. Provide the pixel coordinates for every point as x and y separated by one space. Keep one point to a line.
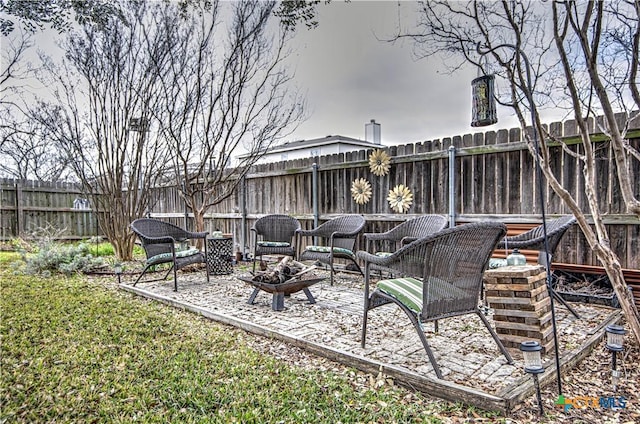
532 108
533 365
615 340
117 269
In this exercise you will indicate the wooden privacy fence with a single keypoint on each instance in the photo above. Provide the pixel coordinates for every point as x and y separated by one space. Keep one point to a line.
494 179
28 208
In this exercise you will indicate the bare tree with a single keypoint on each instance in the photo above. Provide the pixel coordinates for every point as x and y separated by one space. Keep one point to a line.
224 93
584 58
105 91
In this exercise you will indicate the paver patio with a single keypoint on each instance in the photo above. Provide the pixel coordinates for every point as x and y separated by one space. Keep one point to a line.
475 372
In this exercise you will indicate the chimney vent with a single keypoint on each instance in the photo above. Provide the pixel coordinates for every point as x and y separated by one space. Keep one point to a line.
372 132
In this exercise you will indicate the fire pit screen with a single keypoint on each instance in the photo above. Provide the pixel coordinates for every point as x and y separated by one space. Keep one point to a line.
284 279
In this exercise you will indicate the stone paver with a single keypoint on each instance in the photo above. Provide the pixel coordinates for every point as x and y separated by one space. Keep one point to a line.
464 349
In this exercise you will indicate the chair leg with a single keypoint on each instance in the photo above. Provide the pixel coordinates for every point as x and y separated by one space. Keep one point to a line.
416 324
363 337
504 351
175 278
155 279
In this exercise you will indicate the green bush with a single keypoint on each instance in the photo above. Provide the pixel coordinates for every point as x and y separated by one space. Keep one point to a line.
65 258
98 247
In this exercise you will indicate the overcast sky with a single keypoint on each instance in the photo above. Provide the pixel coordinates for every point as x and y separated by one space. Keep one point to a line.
350 78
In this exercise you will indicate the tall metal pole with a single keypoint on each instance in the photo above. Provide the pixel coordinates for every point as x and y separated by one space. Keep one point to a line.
452 186
547 262
314 196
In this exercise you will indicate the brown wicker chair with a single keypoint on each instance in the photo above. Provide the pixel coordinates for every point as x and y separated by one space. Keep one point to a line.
441 278
534 238
274 235
402 234
159 241
339 236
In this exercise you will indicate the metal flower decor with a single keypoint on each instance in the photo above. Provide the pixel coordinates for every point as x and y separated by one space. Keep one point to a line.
379 162
361 191
400 198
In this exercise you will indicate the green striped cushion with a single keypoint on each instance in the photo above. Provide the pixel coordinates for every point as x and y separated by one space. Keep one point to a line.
325 249
164 257
409 291
273 244
384 254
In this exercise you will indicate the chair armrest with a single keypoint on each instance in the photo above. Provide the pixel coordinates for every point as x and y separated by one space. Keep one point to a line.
370 258
407 240
377 236
338 234
198 235
158 240
307 232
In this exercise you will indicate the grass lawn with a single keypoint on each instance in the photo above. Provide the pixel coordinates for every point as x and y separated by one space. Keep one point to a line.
74 349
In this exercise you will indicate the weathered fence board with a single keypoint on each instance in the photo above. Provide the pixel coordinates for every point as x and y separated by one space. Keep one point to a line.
496 178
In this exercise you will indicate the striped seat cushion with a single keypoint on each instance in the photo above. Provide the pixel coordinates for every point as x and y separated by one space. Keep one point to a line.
273 244
408 291
384 254
165 257
326 249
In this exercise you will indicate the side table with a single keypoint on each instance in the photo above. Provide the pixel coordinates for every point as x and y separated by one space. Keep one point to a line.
219 255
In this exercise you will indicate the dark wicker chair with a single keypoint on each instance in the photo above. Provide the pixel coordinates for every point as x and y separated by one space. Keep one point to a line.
159 241
339 236
404 233
534 238
274 235
441 277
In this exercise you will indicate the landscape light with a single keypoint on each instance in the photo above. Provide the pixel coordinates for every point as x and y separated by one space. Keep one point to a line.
615 340
533 365
117 269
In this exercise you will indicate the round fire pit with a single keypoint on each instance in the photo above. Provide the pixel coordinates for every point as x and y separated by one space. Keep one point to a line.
281 289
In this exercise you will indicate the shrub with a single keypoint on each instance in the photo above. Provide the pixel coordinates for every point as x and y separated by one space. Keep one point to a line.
65 258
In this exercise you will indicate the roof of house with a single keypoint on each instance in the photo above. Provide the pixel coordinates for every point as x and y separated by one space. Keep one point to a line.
330 139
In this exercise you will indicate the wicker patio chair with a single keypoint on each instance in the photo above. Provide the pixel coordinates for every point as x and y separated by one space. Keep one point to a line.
274 235
534 238
339 236
404 233
440 277
159 240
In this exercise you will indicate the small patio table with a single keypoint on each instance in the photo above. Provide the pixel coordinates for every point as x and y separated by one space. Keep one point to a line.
219 255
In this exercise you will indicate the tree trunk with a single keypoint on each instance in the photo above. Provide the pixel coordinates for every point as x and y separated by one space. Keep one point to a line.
614 272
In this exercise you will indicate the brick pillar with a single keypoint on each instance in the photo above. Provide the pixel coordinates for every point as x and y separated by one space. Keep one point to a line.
522 308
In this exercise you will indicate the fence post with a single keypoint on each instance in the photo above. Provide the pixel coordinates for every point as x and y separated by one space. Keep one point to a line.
314 195
452 186
19 210
243 225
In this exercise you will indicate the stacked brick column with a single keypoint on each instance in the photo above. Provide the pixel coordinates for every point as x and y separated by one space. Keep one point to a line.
522 308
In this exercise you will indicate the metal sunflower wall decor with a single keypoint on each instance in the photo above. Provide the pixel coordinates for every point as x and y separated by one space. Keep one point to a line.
379 162
361 191
400 198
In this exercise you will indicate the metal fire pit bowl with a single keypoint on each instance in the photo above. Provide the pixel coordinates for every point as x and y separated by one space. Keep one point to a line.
280 290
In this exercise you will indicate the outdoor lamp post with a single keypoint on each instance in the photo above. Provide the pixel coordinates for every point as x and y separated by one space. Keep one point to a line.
533 365
615 339
117 269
